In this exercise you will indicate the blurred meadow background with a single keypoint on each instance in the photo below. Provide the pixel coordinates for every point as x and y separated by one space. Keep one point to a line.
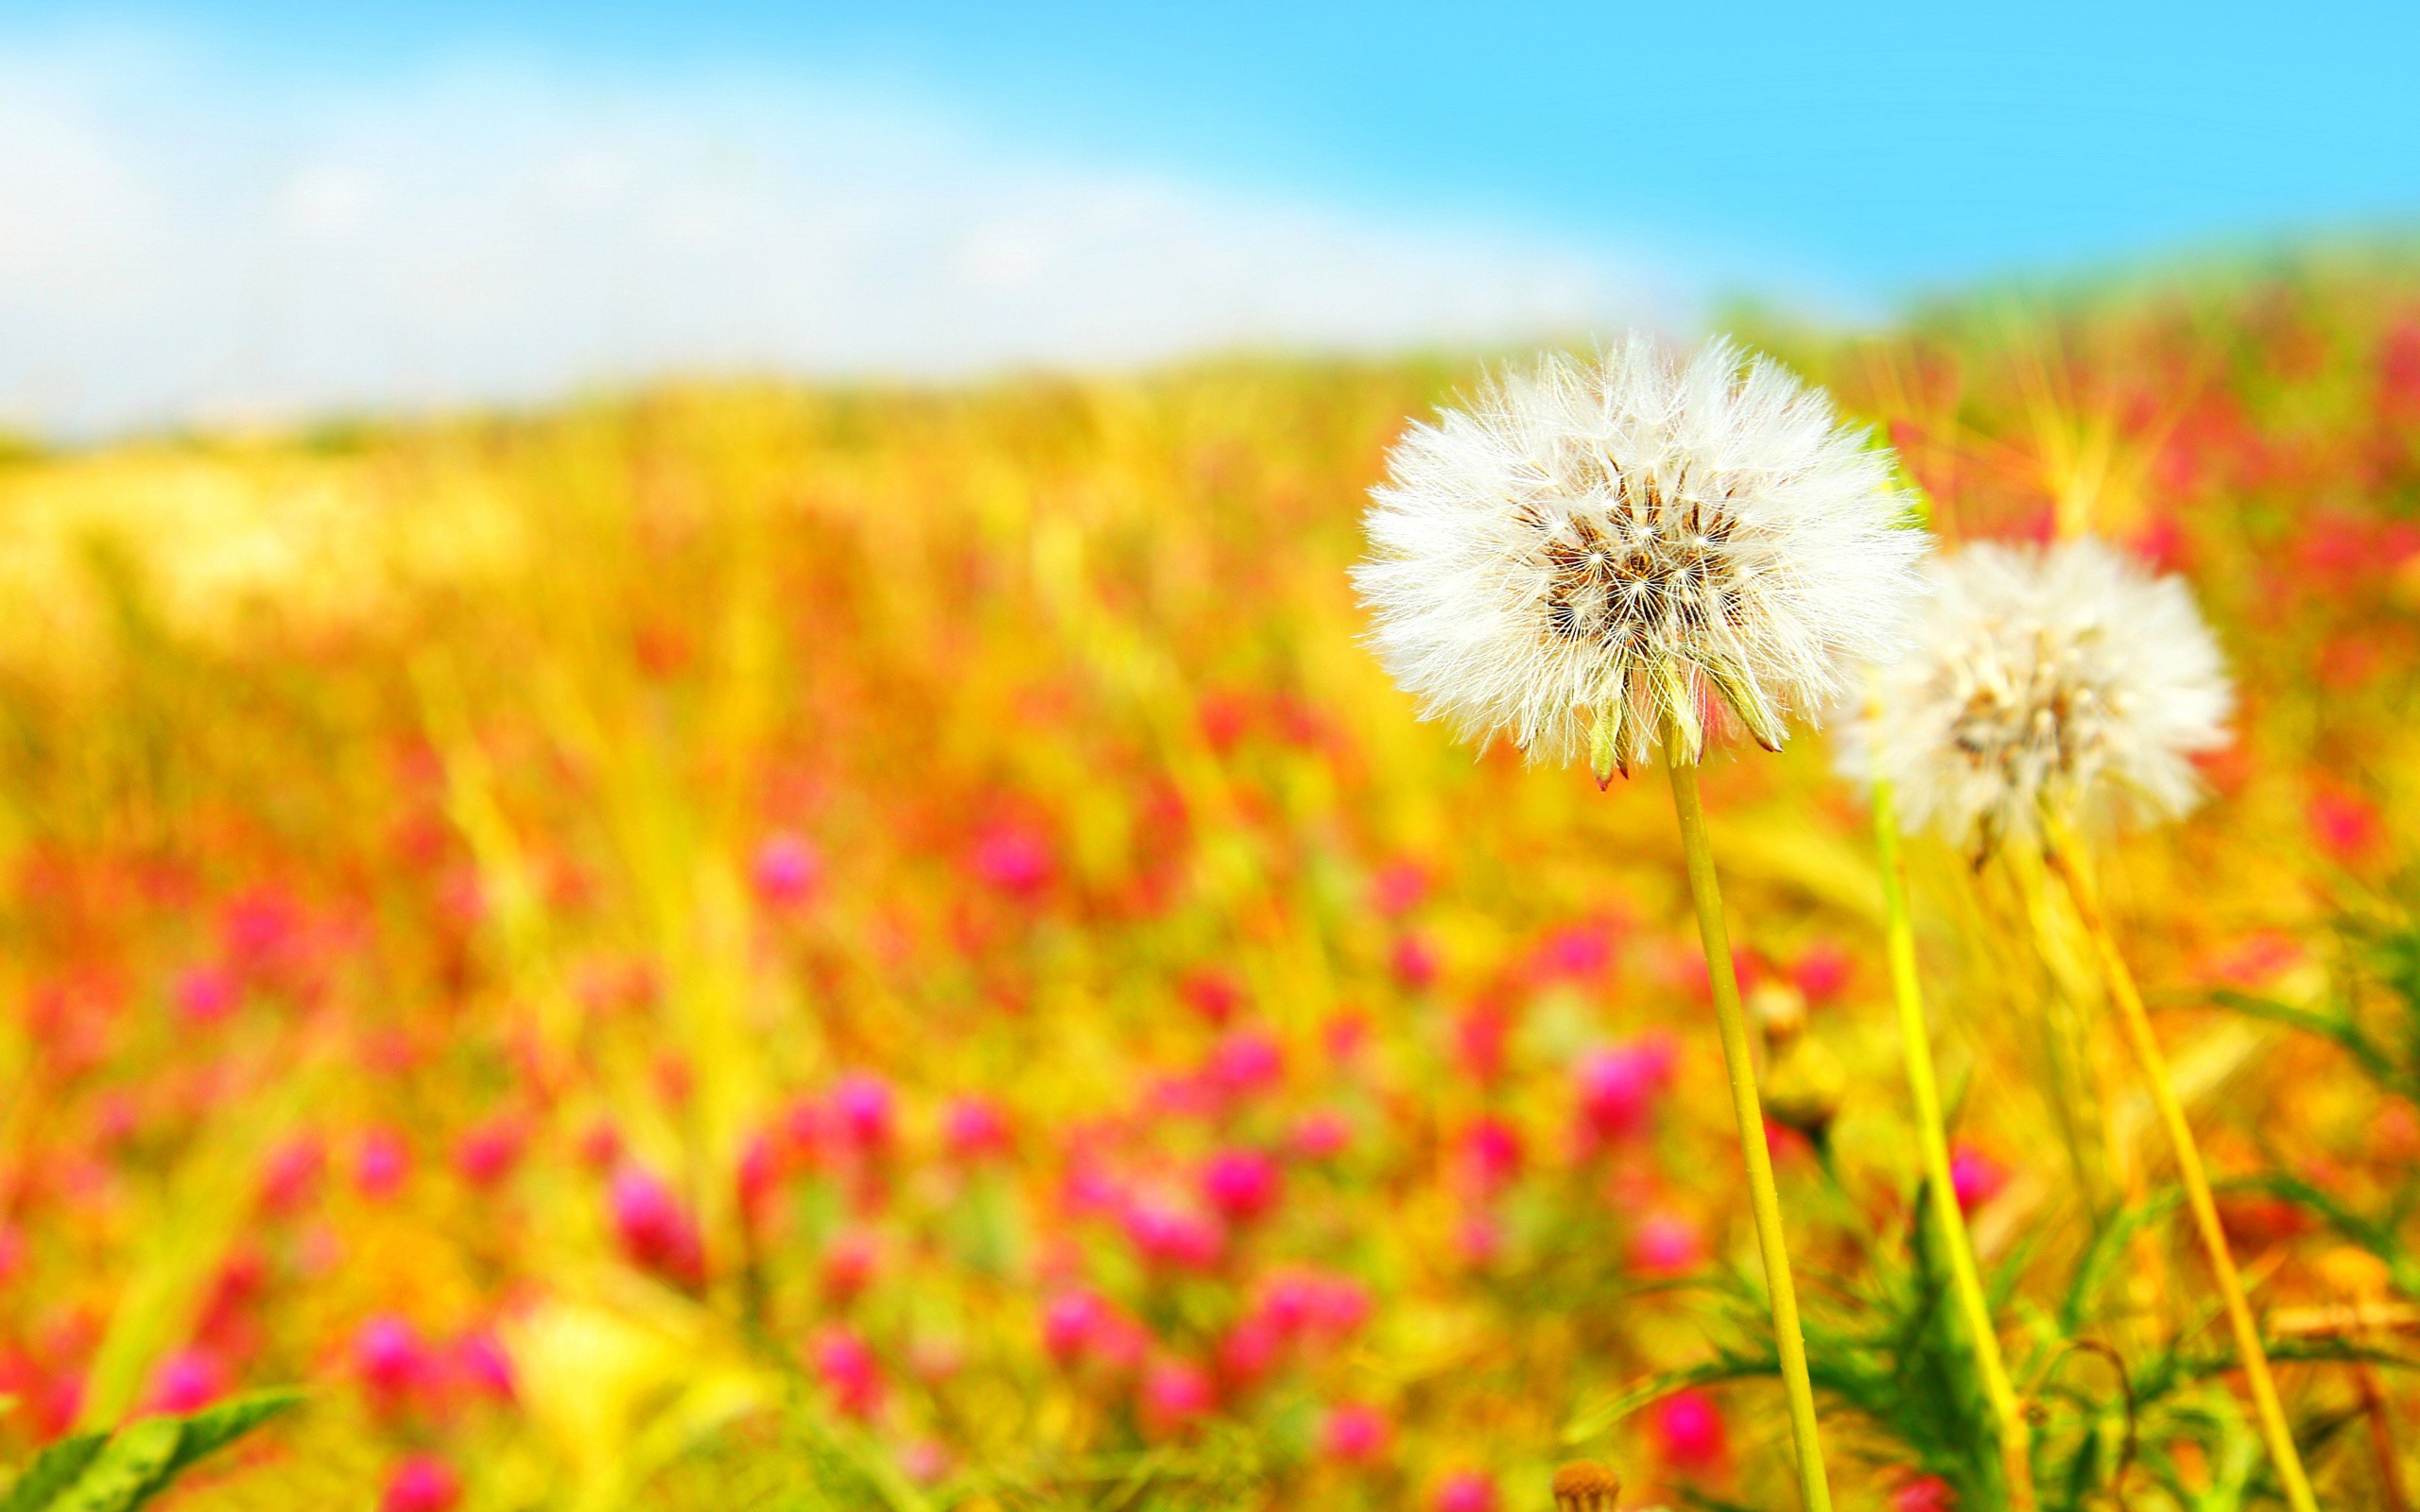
733 846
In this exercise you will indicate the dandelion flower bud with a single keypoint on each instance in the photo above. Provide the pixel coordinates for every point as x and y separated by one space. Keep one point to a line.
1594 554
1584 1485
2068 679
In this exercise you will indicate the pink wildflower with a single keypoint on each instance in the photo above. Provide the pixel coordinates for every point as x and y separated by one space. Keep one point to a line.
1688 1431
422 1483
656 1230
975 1126
1176 1394
1355 1434
850 1371
1013 859
1242 1184
389 1354
787 871
1619 1087
1974 1178
1465 1491
206 994
384 1161
861 1102
188 1381
1666 1244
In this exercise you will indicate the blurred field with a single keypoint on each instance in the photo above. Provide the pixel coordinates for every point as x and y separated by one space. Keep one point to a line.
749 947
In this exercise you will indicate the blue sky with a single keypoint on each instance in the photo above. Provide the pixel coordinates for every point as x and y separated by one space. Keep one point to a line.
1238 170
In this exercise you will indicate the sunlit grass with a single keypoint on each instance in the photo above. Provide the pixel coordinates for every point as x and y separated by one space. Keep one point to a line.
702 949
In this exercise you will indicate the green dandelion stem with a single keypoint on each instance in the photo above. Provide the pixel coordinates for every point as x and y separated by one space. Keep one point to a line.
1900 937
1814 1494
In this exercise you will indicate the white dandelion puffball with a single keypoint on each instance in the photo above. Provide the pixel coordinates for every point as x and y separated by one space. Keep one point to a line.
2069 677
1596 553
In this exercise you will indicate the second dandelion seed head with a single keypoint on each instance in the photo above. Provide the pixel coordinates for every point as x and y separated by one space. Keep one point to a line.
2065 681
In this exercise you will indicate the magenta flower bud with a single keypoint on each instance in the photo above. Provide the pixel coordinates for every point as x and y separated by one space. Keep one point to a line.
1823 971
850 1372
1925 1493
487 1154
384 1161
1212 993
1242 1184
1490 1157
1480 1038
262 929
1413 961
849 1264
1174 1237
760 1174
1290 1303
974 1127
1320 1135
1340 1305
484 1364
600 1145
1666 1244
1465 1491
1575 951
188 1381
1176 1393
1619 1087
422 1483
1013 859
1354 1434
1399 887
657 1232
1246 1062
1251 1347
1974 1178
924 1462
1068 1324
206 994
1688 1431
293 1173
388 1355
787 871
861 1103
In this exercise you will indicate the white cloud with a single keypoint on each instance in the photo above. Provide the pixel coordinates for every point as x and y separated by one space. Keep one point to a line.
175 246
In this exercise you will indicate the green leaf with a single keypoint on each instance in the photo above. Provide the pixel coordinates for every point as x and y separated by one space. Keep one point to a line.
2100 1260
53 1470
1607 1411
213 1428
126 1473
102 1473
2343 1031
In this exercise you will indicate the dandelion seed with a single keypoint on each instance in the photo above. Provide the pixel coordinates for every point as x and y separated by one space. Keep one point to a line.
1595 553
2070 677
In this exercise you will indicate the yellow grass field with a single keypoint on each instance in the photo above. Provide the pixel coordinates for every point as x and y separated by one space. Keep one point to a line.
756 946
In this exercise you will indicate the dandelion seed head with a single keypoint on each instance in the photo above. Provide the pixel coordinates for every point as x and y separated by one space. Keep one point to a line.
1594 552
2070 677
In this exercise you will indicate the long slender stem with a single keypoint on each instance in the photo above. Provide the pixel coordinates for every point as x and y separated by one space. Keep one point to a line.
2137 1024
1814 1492
2016 1437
